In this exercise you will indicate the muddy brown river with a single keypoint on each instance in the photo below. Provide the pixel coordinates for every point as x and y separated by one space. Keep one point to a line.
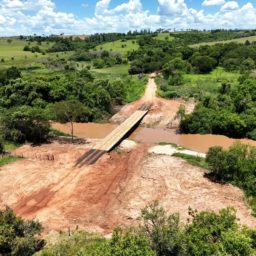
196 142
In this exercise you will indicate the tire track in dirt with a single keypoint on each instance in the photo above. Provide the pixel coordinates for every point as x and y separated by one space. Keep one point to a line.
97 192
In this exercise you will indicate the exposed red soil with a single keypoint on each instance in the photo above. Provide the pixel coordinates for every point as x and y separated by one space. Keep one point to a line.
162 113
47 186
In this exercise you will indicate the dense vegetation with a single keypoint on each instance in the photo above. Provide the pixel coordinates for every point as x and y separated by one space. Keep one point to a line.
237 166
27 101
195 36
207 233
19 237
232 111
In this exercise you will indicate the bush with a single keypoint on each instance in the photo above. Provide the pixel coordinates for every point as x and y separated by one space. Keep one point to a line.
18 237
203 64
129 243
236 165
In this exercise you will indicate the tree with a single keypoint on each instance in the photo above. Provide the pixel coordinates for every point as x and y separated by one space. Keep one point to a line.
247 64
164 232
215 159
181 113
13 73
126 243
24 124
203 64
69 111
175 65
18 237
212 233
236 165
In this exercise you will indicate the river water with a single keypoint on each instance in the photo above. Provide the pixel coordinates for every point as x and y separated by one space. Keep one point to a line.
196 142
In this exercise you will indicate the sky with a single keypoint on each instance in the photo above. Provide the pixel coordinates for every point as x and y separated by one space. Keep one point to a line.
44 17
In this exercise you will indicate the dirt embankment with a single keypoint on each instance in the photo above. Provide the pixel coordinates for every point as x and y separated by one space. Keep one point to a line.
47 186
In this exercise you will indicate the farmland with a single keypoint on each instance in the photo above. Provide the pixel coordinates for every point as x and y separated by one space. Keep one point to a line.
123 47
242 40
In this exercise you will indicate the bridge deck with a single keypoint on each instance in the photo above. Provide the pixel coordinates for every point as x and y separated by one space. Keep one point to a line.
112 139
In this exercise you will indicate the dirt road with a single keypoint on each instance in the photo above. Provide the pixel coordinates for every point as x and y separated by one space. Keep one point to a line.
150 92
163 112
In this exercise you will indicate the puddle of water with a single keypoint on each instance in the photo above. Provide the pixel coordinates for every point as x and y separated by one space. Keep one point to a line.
196 142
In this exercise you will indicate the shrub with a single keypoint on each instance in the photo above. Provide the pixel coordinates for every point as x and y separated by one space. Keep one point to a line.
18 237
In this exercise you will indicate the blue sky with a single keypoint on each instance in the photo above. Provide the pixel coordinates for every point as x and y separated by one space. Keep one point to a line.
91 16
86 7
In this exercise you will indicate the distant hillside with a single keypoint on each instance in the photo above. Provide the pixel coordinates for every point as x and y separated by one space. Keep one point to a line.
237 40
121 46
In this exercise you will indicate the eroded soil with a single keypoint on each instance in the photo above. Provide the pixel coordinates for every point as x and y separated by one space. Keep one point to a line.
48 187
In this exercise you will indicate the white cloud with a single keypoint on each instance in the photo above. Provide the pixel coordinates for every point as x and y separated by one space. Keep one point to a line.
40 16
228 6
213 2
172 7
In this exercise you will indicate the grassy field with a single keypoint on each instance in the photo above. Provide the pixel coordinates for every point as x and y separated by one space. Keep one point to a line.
197 84
115 70
13 55
164 36
119 46
238 40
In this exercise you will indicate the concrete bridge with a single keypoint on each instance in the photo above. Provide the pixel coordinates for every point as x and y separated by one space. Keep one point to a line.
114 138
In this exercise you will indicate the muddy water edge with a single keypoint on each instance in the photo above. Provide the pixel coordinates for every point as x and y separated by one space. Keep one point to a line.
196 142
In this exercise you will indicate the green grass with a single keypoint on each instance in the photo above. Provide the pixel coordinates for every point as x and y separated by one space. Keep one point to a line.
164 37
116 46
58 133
25 60
237 40
193 160
136 88
196 85
115 70
10 146
15 50
8 159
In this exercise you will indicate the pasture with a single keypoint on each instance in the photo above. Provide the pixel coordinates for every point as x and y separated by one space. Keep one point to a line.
123 47
164 37
237 40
